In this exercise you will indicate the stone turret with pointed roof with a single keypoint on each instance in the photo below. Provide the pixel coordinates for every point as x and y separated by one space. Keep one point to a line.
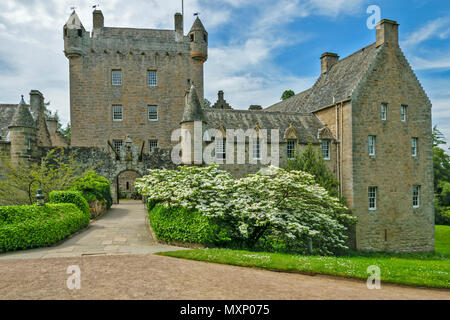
193 110
76 39
22 117
198 26
199 41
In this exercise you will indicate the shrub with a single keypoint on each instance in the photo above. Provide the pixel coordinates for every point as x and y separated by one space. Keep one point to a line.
275 206
23 227
74 197
94 187
184 225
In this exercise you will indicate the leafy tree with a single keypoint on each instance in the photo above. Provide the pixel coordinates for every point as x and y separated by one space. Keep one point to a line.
311 161
287 94
206 103
441 169
55 171
438 137
66 131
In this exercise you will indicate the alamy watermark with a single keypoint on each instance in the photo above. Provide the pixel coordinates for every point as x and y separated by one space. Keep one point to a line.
375 17
74 280
374 280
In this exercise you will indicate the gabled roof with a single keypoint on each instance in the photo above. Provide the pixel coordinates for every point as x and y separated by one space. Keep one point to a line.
335 85
6 114
306 125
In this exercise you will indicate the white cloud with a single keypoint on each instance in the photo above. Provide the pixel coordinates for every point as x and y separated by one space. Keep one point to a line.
432 28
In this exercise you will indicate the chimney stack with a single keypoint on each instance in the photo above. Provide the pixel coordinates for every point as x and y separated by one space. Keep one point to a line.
327 60
179 26
98 22
387 32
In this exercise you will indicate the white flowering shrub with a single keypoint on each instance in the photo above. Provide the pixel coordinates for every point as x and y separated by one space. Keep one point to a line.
271 205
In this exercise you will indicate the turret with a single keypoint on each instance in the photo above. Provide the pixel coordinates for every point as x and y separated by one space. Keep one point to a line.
191 123
22 131
199 41
75 37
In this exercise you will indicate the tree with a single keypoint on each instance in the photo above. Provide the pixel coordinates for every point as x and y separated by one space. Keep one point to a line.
66 131
438 137
287 94
311 161
55 171
441 170
206 103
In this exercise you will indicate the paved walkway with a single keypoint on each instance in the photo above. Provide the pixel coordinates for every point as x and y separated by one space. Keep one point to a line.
122 230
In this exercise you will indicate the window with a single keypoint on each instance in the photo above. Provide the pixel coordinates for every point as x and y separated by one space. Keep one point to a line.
152 144
117 144
116 77
403 113
220 148
326 150
80 33
188 82
192 37
117 113
372 198
416 196
371 142
152 79
291 144
414 147
383 111
256 149
152 113
128 185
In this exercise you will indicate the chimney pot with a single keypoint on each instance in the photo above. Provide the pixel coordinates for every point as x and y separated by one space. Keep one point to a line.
387 32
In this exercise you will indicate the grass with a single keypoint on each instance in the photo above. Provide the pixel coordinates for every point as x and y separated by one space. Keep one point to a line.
428 270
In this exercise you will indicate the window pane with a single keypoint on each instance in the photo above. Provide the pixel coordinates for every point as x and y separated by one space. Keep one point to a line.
414 147
416 194
403 113
152 144
117 113
256 149
371 142
152 113
152 79
117 144
116 79
220 148
372 198
326 150
383 112
291 149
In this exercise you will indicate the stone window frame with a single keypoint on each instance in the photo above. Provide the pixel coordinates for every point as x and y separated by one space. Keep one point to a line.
384 107
152 81
116 112
220 148
291 146
116 81
326 146
372 198
416 196
152 144
404 113
371 145
152 113
118 144
414 147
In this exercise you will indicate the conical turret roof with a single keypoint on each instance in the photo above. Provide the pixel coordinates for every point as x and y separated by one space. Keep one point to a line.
198 25
22 117
193 110
74 21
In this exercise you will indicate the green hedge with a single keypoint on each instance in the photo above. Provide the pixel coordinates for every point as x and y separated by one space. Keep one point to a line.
94 187
23 227
183 225
74 197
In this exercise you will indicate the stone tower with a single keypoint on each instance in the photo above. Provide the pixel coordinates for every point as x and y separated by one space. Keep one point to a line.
22 132
131 82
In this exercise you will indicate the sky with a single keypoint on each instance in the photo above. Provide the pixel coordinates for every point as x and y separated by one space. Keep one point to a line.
257 49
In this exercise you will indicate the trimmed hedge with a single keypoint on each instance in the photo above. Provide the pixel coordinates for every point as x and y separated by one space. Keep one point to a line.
94 187
23 227
180 224
74 197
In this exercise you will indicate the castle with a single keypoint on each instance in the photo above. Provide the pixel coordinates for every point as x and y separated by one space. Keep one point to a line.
131 89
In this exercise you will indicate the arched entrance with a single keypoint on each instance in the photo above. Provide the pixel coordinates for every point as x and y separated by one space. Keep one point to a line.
125 184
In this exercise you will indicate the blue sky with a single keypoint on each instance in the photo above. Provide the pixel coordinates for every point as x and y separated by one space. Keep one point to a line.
257 48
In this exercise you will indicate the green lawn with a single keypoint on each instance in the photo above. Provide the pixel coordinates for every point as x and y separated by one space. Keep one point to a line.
414 269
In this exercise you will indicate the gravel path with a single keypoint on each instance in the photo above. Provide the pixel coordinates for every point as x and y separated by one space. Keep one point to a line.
157 277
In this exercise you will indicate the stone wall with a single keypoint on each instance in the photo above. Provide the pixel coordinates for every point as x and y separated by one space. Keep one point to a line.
395 225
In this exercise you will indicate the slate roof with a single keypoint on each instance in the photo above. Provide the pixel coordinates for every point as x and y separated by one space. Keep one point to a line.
198 25
307 125
6 114
22 116
338 83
